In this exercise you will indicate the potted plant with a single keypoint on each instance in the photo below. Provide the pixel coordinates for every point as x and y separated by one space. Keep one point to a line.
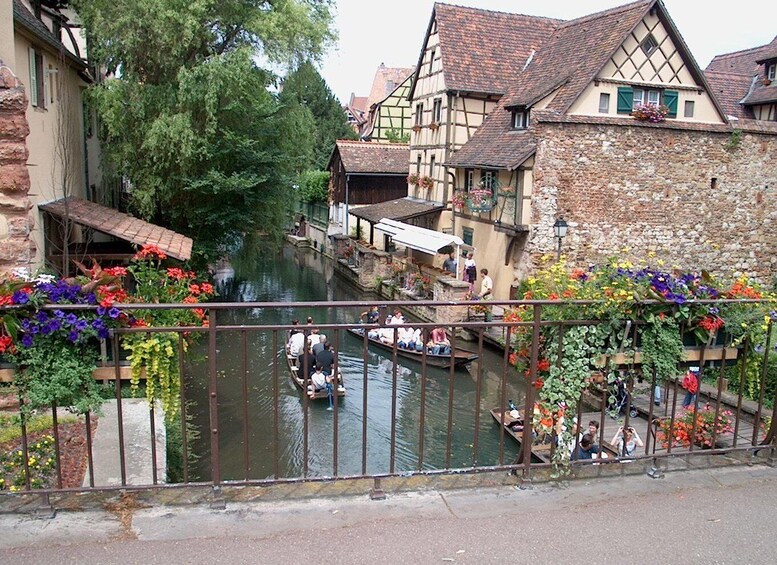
458 200
650 113
682 433
412 179
416 128
434 126
426 182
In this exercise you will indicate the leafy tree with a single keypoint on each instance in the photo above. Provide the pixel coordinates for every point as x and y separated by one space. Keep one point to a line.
304 86
314 186
394 136
188 117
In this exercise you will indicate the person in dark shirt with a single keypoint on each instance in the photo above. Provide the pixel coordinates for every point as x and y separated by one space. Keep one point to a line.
309 364
326 358
587 448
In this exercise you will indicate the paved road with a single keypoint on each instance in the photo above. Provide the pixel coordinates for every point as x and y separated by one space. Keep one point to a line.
711 516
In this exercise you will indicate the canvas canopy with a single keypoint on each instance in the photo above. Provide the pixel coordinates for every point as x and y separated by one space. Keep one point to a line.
420 239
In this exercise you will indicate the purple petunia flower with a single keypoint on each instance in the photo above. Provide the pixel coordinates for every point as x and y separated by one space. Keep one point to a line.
59 314
26 340
81 325
98 324
114 313
103 333
91 298
101 310
73 336
71 319
42 317
20 297
54 325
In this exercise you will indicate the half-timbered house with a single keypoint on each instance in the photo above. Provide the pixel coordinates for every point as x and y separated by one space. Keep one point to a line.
564 129
390 117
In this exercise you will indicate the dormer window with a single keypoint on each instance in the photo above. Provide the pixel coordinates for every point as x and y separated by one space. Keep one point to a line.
520 119
771 70
649 45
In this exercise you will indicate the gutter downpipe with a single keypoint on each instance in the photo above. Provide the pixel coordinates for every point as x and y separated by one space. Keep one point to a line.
345 222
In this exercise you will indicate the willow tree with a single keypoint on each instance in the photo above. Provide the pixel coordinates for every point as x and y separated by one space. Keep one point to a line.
188 116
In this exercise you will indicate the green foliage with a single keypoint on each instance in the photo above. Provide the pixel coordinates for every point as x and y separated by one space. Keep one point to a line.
174 447
394 136
305 87
58 372
314 186
734 140
662 346
188 118
11 424
40 462
155 358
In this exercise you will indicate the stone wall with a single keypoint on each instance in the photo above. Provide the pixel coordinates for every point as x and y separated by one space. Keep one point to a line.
698 199
16 247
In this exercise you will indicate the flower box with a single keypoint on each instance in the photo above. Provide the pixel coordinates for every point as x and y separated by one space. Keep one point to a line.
480 200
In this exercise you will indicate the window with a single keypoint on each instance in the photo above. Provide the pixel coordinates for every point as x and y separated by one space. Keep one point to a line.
649 45
520 119
431 60
771 70
488 180
469 179
432 165
654 97
688 112
466 236
629 97
419 114
604 103
437 111
639 97
37 78
418 166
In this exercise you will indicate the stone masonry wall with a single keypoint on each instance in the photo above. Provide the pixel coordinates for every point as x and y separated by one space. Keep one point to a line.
16 247
694 198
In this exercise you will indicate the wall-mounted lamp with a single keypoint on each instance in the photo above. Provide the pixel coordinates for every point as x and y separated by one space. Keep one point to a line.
560 231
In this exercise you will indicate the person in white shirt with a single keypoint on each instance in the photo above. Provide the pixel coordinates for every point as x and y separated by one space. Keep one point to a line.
486 286
296 343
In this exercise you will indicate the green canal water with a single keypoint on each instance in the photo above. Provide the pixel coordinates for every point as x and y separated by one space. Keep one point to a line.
300 276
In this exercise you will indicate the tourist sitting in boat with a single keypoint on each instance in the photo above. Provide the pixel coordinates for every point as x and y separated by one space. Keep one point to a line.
386 335
319 381
326 359
406 338
396 319
296 343
371 316
586 449
438 343
292 331
320 345
306 362
314 337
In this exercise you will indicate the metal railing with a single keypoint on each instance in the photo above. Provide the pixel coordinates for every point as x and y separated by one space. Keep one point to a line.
517 451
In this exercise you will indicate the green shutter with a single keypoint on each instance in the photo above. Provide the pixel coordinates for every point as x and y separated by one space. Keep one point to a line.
670 101
625 99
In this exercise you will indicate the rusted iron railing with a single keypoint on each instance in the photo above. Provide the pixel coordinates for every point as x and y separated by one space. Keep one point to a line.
516 451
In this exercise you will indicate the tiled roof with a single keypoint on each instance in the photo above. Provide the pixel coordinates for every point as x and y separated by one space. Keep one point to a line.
386 81
115 223
745 125
400 209
366 157
483 51
359 102
575 52
25 19
741 62
495 145
730 89
732 70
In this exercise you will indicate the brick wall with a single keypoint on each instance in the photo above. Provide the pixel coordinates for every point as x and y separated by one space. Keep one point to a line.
653 190
16 221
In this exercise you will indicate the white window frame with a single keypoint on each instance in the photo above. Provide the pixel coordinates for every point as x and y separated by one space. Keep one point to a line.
688 108
520 119
604 102
771 71
437 111
419 114
654 97
649 50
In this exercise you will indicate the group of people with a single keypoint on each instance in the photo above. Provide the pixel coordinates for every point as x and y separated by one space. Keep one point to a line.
315 356
625 440
407 337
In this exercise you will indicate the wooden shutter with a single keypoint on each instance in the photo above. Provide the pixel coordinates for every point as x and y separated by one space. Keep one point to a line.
670 101
33 86
625 99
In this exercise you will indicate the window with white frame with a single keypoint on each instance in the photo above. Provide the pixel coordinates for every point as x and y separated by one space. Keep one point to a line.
771 71
644 96
649 45
520 119
432 53
469 179
604 103
689 107
437 111
419 114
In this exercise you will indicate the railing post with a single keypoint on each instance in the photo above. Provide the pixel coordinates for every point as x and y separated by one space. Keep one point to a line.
215 466
528 412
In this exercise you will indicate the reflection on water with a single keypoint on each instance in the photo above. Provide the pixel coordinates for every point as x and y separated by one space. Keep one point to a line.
305 276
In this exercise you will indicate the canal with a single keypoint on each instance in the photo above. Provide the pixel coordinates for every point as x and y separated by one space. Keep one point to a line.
302 275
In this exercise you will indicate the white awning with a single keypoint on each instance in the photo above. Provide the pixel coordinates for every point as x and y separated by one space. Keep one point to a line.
420 239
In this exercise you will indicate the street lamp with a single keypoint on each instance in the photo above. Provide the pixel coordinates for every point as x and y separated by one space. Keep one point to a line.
560 230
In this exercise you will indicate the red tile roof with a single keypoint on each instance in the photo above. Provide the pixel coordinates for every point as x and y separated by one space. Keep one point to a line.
574 54
115 223
400 209
386 81
495 145
730 89
366 157
731 71
482 50
742 62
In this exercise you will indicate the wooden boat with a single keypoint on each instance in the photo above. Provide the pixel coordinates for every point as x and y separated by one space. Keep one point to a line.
541 451
300 384
459 357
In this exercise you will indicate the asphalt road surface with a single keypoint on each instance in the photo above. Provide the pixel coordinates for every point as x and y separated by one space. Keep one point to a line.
710 516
